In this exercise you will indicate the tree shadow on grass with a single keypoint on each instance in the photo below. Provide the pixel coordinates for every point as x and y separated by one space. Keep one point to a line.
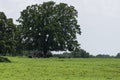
3 59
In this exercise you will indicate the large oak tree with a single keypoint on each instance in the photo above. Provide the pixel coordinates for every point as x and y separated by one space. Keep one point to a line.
50 27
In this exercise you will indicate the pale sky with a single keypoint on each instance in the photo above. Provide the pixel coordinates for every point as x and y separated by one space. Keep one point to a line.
99 20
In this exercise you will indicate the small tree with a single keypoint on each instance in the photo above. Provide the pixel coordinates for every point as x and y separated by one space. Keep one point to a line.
49 27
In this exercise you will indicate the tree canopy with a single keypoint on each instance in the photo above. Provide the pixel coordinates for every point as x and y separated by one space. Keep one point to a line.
7 33
50 27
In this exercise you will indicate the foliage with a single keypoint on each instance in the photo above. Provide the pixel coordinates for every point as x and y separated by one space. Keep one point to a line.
49 27
3 59
79 53
20 48
7 33
60 56
39 54
103 56
118 55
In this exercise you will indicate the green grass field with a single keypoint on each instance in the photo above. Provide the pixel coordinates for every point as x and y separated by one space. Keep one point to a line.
60 69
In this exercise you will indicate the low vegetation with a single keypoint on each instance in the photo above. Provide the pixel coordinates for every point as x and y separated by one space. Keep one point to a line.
60 69
3 59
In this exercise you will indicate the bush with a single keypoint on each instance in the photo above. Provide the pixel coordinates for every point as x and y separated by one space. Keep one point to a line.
39 54
3 59
74 54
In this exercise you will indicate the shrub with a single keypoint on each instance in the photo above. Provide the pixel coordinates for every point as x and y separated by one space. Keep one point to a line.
3 59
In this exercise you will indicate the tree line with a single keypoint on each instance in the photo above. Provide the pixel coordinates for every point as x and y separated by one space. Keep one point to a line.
83 54
42 27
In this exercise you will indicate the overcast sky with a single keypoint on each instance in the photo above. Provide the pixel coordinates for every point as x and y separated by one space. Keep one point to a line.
99 20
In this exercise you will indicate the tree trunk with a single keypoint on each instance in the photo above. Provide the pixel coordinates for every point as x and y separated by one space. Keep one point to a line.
45 53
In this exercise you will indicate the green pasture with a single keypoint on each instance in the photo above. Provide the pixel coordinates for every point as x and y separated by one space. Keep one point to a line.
60 69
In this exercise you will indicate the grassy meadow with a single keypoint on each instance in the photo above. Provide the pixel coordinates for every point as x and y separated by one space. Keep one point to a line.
60 69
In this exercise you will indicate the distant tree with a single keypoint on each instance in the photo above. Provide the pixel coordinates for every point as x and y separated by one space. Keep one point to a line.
60 56
118 55
67 55
103 56
80 53
91 56
7 34
49 27
38 54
